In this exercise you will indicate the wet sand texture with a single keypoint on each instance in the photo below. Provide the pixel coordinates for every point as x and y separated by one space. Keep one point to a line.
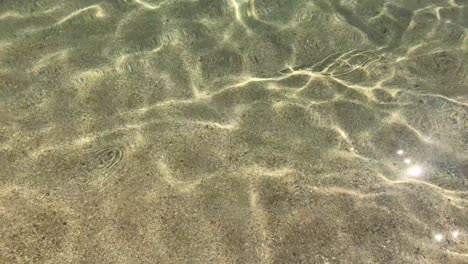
236 131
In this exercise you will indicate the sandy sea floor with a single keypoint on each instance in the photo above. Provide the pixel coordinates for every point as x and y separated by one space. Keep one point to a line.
234 131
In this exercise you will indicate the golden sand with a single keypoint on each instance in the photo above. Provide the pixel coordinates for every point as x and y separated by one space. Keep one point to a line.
236 131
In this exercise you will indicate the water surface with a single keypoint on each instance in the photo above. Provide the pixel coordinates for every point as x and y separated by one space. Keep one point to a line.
235 131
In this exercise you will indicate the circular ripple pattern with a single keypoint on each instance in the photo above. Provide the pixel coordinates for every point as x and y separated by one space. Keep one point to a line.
106 159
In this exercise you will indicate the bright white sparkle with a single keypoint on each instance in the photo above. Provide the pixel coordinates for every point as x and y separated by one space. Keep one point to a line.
439 237
400 152
415 171
455 234
407 161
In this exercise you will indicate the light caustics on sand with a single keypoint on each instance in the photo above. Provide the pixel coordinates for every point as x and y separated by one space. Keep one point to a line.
321 177
10 14
98 12
235 5
133 128
168 176
446 98
249 79
50 58
335 69
412 176
17 15
147 5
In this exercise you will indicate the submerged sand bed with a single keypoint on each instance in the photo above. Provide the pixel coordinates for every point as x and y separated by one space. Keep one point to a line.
246 131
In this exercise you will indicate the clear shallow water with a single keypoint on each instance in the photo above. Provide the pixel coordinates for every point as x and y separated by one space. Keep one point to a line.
234 131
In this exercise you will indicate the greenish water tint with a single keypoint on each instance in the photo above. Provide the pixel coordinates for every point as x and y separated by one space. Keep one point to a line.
234 131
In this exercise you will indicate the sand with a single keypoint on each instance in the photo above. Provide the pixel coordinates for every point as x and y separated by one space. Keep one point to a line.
236 131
